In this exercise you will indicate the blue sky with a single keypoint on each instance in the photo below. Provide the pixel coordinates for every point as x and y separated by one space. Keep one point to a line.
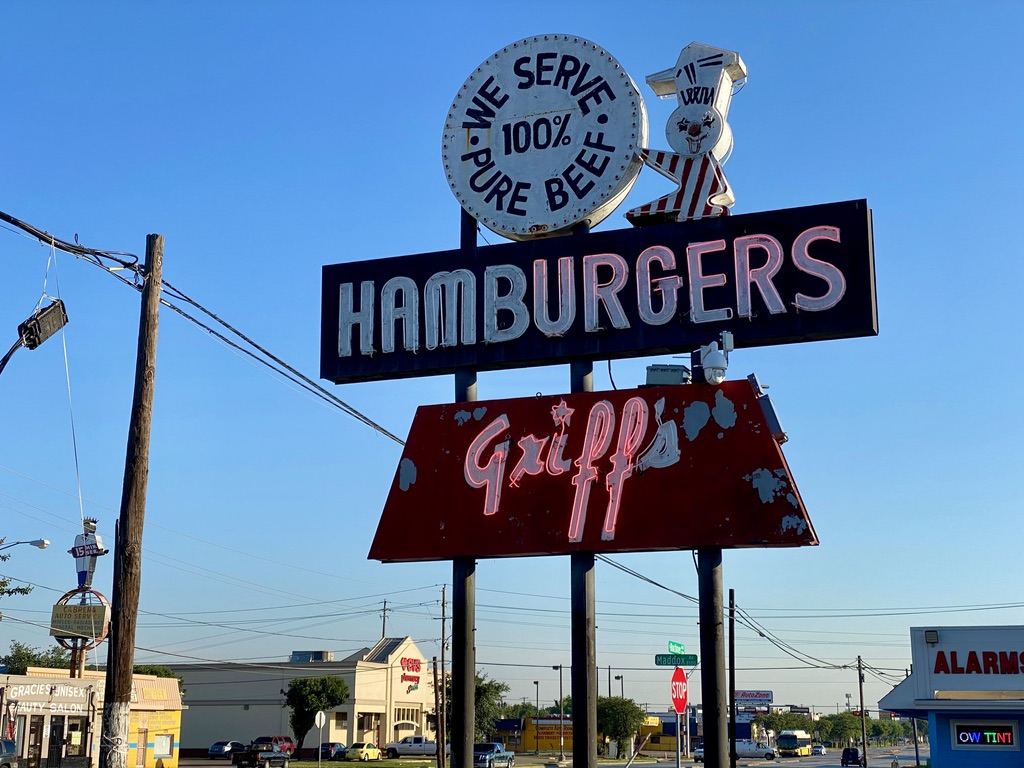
265 140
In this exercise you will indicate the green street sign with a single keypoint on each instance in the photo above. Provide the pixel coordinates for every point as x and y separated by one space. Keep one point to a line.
674 647
675 659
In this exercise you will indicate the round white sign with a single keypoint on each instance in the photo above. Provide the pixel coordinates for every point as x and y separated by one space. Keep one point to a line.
543 136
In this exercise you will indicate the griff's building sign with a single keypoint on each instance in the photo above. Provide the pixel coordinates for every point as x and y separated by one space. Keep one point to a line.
620 471
775 277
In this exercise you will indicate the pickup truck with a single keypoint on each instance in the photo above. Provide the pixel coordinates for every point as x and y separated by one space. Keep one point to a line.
411 746
492 755
260 755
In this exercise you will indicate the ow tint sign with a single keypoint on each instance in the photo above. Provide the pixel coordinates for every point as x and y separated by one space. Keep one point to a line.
778 277
658 468
979 735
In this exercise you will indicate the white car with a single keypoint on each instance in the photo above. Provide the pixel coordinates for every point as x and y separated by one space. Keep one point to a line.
818 749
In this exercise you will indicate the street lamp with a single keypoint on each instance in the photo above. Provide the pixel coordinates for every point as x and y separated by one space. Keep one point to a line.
43 323
622 695
536 718
40 543
561 717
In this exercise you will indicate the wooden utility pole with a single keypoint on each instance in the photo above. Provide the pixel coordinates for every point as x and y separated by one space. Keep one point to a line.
863 714
437 720
732 678
128 539
442 717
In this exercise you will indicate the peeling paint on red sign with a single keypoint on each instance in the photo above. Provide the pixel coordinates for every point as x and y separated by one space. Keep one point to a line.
657 468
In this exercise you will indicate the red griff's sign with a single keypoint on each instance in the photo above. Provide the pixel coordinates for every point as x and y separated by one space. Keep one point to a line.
658 468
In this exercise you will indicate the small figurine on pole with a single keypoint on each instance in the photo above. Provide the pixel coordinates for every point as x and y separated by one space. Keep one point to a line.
88 545
81 617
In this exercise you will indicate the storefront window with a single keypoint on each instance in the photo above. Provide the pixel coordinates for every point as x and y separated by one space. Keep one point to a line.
19 733
77 730
163 745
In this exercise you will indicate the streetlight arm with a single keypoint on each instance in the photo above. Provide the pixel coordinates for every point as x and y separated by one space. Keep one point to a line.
38 543
6 358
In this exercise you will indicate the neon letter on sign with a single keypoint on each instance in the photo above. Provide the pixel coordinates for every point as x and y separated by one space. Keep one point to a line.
631 432
489 475
598 437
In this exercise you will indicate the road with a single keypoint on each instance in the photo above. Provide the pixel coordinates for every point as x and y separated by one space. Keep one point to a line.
881 757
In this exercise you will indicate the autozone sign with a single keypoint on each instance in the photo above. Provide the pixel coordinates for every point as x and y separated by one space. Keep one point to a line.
775 277
754 697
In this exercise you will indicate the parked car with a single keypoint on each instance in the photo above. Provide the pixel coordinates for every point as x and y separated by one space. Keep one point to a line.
851 756
411 746
262 755
492 755
283 743
698 755
332 750
363 751
8 753
818 749
225 749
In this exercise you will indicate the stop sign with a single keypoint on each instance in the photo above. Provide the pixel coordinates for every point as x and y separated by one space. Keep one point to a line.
679 691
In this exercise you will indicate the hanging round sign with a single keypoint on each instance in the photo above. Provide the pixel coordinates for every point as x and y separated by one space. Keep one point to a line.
544 135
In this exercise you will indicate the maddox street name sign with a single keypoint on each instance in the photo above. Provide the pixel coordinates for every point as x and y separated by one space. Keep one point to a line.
543 135
675 660
776 277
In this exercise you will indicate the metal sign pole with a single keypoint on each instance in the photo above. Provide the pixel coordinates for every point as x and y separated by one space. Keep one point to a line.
679 741
320 719
463 722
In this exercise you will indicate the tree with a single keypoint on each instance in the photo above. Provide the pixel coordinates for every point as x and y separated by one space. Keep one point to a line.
23 656
908 729
520 711
566 707
842 729
6 590
785 721
308 695
619 719
487 698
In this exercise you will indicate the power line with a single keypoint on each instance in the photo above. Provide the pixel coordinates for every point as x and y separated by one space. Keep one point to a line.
113 262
